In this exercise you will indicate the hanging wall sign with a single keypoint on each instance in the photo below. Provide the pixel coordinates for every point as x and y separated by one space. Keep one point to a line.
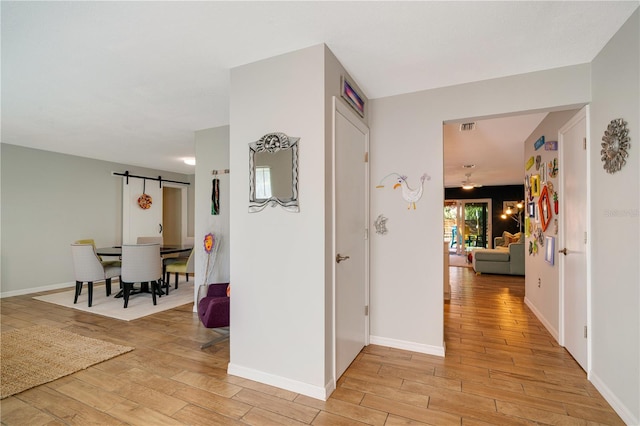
215 197
529 163
538 144
353 98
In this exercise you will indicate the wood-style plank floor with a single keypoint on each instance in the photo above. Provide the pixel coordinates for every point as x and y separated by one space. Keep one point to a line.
501 368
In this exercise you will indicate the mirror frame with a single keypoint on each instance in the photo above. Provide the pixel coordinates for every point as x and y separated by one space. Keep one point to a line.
544 205
274 142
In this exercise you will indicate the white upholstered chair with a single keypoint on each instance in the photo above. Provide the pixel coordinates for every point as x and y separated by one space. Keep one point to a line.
88 268
149 240
105 263
141 263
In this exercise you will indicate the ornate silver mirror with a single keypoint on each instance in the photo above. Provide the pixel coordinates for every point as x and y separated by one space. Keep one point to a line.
273 172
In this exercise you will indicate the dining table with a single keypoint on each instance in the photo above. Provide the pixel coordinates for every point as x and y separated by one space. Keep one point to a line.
116 251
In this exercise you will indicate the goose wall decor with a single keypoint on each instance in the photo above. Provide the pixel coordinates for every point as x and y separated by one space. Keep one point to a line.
410 195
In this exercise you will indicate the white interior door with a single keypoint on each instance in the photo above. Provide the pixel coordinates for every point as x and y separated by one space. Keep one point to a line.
351 143
573 245
136 221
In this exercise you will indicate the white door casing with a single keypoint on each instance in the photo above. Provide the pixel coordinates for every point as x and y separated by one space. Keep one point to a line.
573 226
350 201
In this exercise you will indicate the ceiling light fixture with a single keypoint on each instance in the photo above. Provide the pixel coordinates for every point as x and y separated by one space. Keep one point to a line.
190 161
467 184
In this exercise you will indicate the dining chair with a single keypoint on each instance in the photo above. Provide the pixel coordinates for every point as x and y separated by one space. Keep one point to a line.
105 263
88 268
180 266
149 240
141 263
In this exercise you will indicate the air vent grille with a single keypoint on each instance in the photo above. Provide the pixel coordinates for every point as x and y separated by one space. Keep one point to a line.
466 127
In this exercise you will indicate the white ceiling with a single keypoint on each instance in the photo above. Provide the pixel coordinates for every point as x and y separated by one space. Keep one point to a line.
131 81
495 147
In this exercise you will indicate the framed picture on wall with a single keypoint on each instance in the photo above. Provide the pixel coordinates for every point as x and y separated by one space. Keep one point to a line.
535 185
549 251
352 97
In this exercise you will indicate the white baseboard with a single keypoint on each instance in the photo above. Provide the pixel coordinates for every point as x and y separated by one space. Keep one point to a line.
306 389
36 289
624 413
408 346
543 320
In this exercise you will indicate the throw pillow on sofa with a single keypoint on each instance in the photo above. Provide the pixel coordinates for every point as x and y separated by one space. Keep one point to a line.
509 238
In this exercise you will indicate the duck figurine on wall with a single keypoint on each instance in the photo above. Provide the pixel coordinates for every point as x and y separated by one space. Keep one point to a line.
411 196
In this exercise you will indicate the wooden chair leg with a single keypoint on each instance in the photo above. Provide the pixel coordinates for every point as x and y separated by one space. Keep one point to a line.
154 290
127 289
176 287
90 293
78 289
107 286
187 274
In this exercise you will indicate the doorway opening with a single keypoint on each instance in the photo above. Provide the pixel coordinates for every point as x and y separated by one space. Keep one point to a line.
172 216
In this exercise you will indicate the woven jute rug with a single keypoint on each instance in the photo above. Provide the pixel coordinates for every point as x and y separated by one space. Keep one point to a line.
35 355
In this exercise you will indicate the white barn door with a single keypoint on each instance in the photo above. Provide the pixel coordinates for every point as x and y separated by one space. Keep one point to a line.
136 221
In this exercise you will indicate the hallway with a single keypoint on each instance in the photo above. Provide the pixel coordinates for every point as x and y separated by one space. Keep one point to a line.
501 367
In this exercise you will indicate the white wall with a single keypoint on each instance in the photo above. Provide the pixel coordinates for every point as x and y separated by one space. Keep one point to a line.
406 137
615 286
281 262
278 257
542 279
50 200
212 153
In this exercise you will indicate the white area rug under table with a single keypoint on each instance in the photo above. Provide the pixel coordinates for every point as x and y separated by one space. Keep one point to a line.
140 305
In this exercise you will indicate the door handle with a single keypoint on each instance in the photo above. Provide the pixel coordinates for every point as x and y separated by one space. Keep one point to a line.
340 258
563 251
160 225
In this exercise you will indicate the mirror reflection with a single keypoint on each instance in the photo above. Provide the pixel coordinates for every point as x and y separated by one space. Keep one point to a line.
273 175
273 172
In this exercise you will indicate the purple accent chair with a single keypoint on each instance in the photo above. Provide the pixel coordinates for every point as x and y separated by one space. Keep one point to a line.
213 310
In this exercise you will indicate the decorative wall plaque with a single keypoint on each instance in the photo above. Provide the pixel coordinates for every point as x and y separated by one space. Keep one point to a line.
615 145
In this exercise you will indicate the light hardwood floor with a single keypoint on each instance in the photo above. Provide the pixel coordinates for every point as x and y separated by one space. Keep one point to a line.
501 367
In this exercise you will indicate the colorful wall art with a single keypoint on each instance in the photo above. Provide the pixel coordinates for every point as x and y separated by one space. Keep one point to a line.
411 196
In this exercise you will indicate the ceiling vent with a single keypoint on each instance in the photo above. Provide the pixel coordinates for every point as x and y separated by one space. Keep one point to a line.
466 127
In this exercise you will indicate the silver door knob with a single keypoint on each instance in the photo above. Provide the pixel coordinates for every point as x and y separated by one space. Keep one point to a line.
340 258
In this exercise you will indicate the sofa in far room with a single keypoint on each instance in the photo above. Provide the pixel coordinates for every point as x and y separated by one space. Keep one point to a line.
506 258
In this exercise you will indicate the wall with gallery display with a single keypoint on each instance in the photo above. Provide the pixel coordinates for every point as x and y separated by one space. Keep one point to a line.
542 193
